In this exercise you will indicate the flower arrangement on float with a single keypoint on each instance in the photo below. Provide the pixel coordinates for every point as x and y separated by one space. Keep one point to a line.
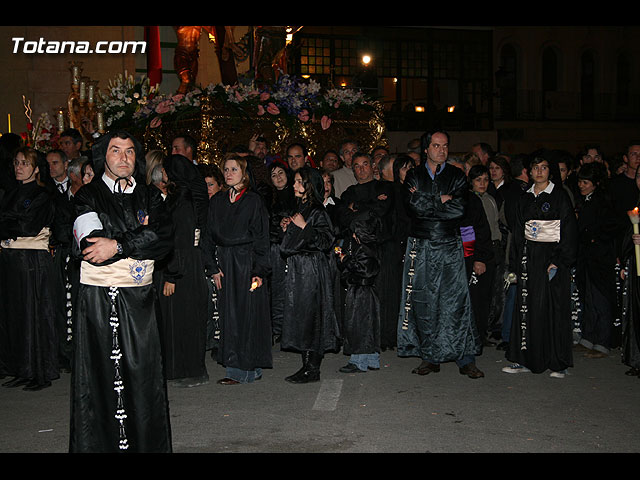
290 99
45 135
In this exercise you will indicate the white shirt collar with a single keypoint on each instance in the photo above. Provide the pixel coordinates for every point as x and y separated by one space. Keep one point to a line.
328 201
549 189
112 184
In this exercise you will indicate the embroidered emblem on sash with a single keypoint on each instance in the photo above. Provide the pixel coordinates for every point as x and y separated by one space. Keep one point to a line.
138 269
141 216
534 227
545 207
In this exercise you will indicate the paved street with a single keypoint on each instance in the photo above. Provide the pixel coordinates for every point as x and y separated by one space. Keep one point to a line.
593 409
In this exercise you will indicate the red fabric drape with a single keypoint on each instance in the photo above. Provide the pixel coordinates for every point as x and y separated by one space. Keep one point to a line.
154 55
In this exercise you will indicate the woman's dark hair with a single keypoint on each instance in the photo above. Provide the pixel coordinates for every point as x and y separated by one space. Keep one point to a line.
400 162
504 165
213 171
477 171
85 165
283 166
595 172
313 184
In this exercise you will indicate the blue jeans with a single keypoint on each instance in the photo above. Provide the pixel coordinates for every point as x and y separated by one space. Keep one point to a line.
243 376
365 360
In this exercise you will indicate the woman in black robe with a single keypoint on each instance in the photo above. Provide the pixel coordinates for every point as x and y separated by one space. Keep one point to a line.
28 346
183 290
595 268
309 324
237 254
281 204
544 251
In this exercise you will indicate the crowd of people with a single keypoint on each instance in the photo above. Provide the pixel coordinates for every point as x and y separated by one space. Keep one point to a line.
128 267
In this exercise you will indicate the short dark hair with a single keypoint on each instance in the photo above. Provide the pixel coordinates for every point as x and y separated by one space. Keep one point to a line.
74 133
478 170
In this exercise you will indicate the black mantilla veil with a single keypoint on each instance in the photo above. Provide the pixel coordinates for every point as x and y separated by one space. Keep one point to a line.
99 153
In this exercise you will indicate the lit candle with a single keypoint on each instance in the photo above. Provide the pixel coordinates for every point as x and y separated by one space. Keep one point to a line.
9 121
100 122
254 285
60 121
634 216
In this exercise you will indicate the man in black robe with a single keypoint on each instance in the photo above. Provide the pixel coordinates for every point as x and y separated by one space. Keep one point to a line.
377 197
438 325
118 392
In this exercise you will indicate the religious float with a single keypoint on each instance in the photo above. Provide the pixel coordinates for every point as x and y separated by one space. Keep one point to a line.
220 116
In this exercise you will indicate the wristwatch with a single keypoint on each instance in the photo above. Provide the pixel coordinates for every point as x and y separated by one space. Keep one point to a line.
119 248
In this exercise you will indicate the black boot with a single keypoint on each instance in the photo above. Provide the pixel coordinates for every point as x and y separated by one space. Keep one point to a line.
310 372
296 377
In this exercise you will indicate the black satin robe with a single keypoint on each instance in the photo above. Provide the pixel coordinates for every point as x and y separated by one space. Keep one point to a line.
94 403
541 330
439 325
630 303
361 321
283 204
28 338
310 322
378 196
237 243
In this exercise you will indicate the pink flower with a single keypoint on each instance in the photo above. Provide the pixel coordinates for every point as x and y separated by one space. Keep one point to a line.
163 107
264 96
325 122
303 116
156 122
260 110
273 109
178 97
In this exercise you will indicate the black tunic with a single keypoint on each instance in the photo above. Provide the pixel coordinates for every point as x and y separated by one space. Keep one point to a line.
28 347
595 268
310 322
237 243
541 331
361 324
183 319
378 197
631 304
96 401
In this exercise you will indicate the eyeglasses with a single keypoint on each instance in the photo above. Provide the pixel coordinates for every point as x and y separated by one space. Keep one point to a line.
21 163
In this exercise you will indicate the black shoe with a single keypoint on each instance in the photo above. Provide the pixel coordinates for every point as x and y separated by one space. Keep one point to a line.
425 368
633 372
351 368
502 346
471 371
34 386
16 382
